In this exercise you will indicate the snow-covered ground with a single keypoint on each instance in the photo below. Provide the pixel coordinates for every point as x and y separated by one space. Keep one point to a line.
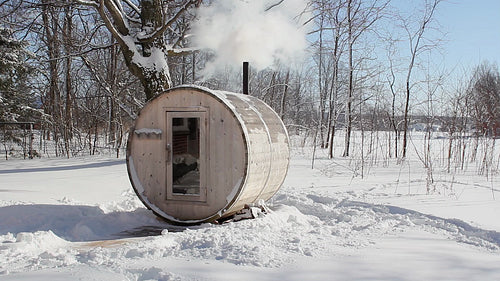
78 219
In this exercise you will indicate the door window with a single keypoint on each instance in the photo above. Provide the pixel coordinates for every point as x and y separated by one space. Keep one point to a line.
186 146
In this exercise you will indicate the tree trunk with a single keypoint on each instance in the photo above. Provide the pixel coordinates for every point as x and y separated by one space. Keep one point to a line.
52 103
112 111
68 124
154 79
414 49
351 85
406 121
333 95
283 97
320 85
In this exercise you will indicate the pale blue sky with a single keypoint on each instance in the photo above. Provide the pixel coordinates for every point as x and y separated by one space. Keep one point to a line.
473 31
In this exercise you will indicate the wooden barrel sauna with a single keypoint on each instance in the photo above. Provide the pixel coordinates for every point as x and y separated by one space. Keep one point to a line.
196 155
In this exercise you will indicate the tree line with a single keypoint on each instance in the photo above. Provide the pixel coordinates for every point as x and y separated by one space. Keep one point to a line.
82 70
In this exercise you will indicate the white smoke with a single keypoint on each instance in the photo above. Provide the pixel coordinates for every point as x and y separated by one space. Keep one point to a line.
262 32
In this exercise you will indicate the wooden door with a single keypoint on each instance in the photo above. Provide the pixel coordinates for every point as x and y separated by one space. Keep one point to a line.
186 145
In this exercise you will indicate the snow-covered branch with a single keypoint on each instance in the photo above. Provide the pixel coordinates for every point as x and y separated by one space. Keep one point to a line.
118 15
144 38
133 6
181 51
93 3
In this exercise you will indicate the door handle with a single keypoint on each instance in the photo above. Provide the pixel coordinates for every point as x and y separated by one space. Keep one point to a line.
169 151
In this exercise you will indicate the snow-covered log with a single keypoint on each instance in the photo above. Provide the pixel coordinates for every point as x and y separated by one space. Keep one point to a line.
212 152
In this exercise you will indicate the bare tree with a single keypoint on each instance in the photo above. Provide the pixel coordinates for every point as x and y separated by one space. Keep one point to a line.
51 34
67 39
338 22
484 95
391 81
139 27
331 43
416 40
321 80
360 18
456 124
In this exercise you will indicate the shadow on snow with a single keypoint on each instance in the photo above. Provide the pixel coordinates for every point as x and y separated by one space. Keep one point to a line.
81 223
65 168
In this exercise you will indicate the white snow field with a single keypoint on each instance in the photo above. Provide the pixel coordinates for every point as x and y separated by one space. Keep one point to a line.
79 219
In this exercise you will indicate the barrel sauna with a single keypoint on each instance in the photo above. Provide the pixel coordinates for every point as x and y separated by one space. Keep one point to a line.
196 155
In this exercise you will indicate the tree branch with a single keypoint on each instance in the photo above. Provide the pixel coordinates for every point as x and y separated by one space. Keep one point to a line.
116 34
132 6
182 51
274 5
158 32
92 3
118 16
107 88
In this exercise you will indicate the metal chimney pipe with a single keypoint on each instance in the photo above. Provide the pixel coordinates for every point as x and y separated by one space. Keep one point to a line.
245 78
